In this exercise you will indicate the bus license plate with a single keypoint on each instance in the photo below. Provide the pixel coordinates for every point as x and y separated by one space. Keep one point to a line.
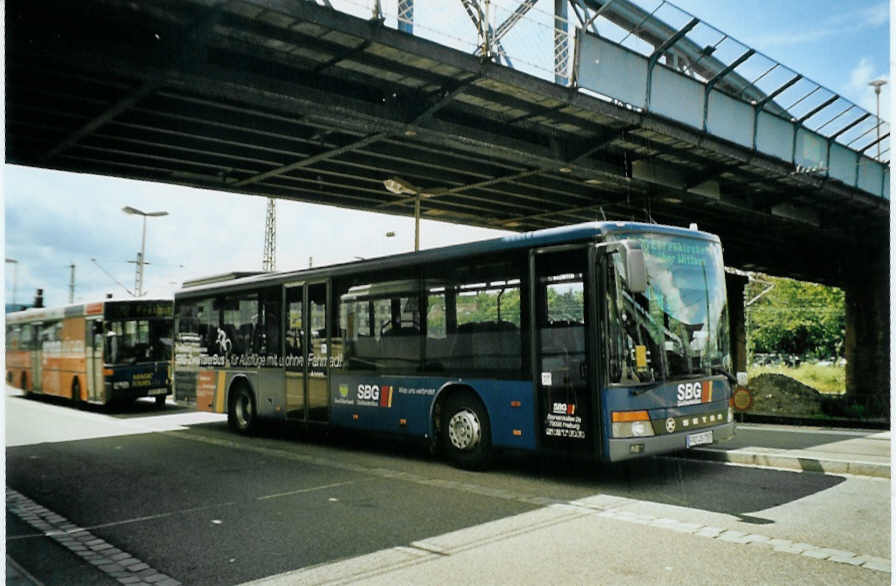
698 439
156 392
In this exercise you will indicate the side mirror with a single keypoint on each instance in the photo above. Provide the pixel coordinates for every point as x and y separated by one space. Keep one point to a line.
635 268
633 259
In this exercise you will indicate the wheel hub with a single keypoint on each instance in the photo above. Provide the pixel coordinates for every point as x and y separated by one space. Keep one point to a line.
242 411
464 430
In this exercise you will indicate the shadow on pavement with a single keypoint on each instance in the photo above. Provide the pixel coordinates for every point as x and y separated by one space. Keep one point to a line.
119 409
734 490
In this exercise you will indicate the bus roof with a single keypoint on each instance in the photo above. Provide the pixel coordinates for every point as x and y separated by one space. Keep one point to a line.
76 309
540 238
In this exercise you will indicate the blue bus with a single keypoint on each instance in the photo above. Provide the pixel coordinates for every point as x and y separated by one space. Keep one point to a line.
607 339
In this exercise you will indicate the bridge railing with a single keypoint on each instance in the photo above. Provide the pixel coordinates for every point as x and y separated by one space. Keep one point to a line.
741 94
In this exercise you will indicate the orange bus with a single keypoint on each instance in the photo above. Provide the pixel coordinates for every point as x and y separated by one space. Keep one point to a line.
93 352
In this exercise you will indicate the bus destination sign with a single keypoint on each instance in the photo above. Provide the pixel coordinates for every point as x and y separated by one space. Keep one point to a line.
139 309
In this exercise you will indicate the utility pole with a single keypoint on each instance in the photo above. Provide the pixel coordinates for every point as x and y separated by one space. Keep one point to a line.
71 284
269 259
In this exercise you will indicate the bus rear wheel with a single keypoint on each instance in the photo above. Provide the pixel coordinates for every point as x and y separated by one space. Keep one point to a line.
241 414
465 433
160 401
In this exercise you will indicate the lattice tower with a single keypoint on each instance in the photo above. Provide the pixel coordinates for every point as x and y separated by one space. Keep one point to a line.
269 261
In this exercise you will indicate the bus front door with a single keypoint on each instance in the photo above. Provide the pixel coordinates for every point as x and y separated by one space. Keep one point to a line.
94 356
562 370
306 353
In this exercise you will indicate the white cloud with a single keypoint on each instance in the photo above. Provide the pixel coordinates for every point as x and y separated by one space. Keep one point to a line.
858 90
876 15
835 25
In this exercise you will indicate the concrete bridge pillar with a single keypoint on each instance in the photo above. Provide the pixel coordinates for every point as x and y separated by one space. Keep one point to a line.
868 334
736 284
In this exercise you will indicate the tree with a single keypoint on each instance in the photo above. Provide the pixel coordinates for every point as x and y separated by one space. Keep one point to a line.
795 317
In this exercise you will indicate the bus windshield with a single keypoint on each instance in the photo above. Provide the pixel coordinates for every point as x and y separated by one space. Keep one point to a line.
129 341
678 328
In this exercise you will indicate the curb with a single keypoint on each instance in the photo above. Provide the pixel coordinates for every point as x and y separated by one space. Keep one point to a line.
792 462
832 422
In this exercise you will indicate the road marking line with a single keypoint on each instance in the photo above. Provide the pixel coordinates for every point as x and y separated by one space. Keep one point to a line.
78 530
119 565
304 490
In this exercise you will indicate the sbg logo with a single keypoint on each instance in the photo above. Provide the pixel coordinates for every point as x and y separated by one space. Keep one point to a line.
690 393
564 408
368 392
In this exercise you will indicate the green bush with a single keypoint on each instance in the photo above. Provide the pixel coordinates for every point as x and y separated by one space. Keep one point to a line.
830 380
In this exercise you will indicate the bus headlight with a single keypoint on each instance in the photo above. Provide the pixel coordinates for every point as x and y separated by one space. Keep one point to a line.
631 424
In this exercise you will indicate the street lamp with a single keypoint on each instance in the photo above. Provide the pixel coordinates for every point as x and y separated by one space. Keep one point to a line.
399 186
877 84
134 211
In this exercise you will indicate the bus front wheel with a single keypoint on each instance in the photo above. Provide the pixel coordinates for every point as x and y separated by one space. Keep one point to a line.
465 432
241 414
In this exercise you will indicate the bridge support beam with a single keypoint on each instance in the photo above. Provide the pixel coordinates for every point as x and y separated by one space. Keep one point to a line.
735 285
868 334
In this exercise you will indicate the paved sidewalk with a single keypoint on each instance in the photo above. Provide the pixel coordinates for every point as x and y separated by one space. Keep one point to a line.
811 449
596 540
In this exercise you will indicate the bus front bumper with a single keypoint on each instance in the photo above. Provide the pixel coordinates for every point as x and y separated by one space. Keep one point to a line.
636 447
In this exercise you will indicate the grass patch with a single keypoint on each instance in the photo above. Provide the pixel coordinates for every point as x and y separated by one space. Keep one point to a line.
830 380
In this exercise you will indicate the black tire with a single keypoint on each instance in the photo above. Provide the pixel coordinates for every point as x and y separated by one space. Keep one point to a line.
465 433
160 401
25 383
241 413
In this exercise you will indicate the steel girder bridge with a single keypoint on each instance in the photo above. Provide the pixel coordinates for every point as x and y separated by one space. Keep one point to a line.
508 116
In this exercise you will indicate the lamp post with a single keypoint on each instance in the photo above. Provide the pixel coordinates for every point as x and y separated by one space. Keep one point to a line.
877 84
399 186
138 286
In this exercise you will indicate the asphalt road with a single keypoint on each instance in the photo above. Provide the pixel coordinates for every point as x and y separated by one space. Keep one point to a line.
176 491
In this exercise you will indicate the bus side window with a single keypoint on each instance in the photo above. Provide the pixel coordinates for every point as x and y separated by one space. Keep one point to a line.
294 326
268 338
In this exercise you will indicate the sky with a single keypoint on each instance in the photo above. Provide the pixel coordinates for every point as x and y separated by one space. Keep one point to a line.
55 219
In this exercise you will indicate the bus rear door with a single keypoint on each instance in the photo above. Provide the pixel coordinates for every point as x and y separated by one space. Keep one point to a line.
306 352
